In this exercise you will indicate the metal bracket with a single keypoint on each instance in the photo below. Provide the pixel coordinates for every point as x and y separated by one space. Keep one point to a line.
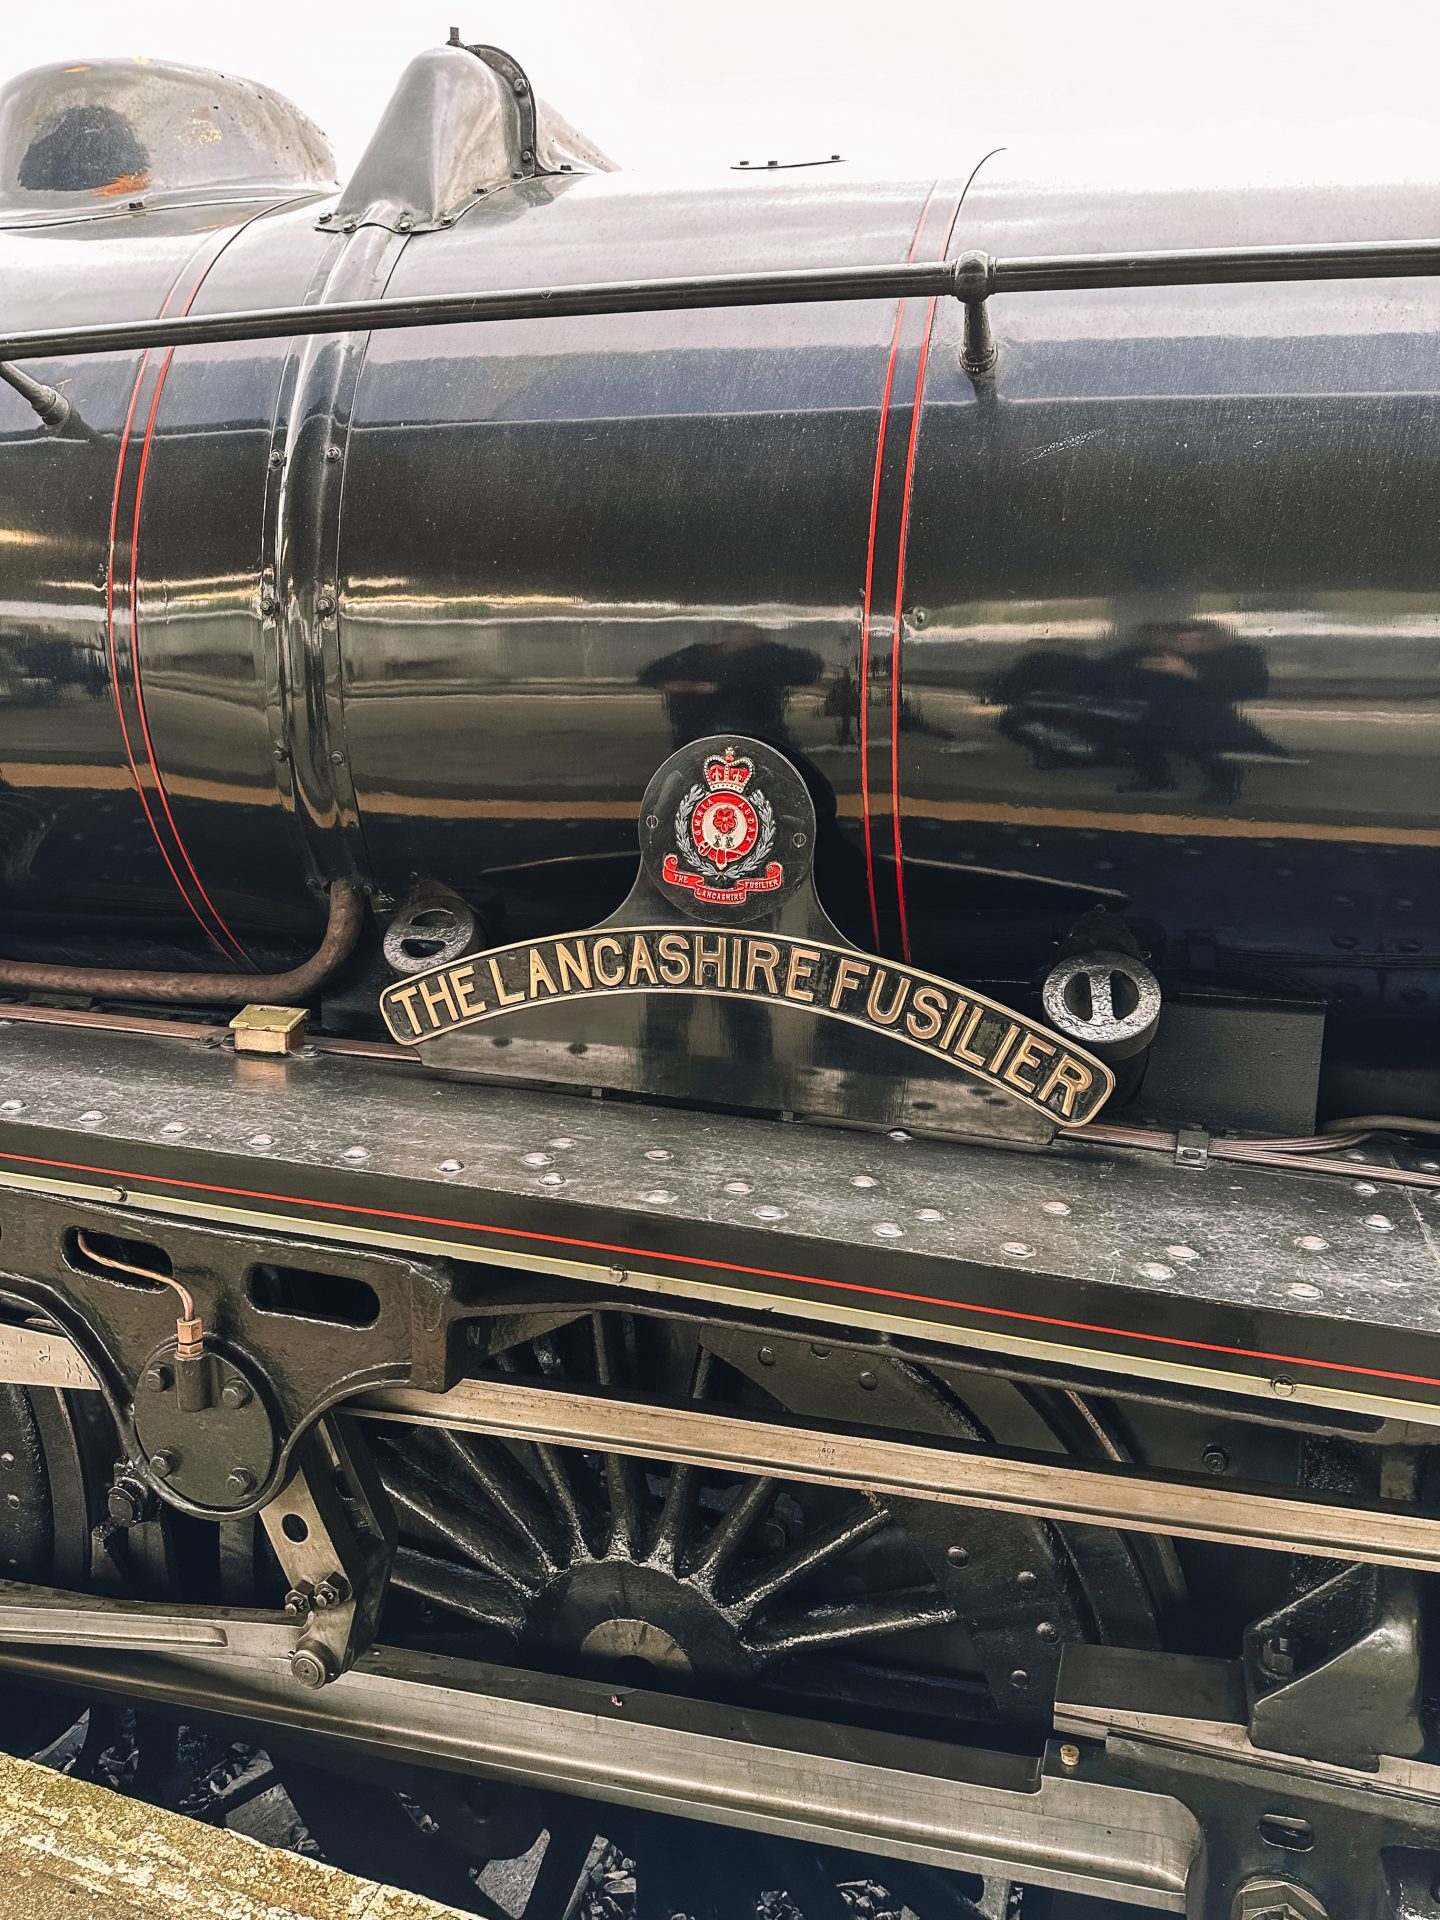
333 1532
974 284
1192 1148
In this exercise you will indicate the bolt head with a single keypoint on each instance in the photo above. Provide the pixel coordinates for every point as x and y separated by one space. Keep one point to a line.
332 1592
164 1463
1069 1754
240 1481
1215 1459
298 1600
235 1393
312 1666
125 1504
158 1379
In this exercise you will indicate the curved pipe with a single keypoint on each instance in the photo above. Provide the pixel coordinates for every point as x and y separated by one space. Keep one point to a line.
342 930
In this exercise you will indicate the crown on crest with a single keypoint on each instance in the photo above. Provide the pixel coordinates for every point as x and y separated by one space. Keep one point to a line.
727 774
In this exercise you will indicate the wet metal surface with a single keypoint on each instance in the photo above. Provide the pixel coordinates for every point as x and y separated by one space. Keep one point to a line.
1079 1248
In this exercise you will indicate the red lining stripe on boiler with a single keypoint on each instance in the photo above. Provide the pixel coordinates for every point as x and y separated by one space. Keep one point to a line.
224 937
904 544
865 820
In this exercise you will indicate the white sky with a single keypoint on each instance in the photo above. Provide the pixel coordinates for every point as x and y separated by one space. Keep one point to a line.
672 84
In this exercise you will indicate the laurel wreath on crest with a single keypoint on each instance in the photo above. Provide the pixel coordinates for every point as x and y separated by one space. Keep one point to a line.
764 813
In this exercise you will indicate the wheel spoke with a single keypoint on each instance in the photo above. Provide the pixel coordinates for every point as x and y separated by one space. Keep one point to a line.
457 1589
554 1473
728 1534
510 1489
673 1523
814 1551
621 1473
438 1521
841 1625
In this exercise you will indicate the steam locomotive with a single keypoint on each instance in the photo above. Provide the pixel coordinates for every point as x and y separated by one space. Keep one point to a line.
719 1047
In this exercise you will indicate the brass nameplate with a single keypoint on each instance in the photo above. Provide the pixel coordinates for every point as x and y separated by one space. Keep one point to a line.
949 1023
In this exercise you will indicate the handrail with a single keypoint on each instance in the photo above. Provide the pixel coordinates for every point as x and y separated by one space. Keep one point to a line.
972 279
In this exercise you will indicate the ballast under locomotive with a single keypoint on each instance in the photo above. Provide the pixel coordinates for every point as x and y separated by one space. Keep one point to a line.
820 800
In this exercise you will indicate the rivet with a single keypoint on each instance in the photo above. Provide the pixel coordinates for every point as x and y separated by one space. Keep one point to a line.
12 1106
766 1356
957 1556
1047 1630
1058 1207
1182 1253
537 1159
869 1381
929 1214
451 1166
769 1213
1312 1243
1156 1270
898 1133
658 1197
657 1153
1302 1290
738 1186
864 1180
1019 1678
552 1180
1025 1578
1379 1223
1018 1249
887 1229
91 1119
1366 1187
261 1140
1282 1386
562 1143
173 1126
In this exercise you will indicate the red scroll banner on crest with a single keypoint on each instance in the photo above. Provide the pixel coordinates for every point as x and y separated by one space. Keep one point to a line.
721 896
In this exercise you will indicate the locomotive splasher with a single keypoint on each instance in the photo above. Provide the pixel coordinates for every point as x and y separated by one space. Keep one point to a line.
1004 613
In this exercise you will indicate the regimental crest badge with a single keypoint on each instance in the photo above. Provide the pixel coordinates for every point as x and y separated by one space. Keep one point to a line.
724 835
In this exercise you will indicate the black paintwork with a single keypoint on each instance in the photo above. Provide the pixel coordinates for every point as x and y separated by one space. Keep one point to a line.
559 548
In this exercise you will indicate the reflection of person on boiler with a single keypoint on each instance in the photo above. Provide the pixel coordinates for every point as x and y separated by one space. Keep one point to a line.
739 682
1190 677
1171 690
